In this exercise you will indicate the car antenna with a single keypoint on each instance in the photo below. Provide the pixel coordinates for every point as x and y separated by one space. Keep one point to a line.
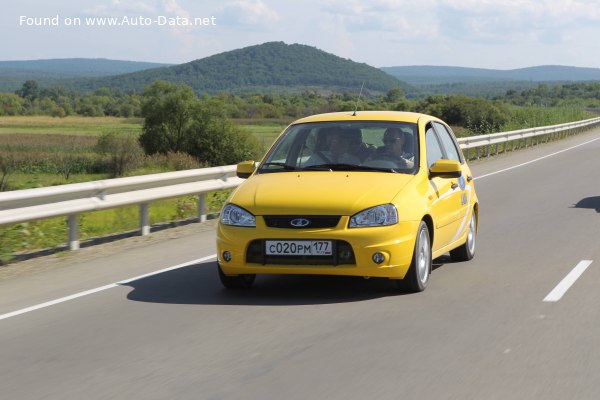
358 99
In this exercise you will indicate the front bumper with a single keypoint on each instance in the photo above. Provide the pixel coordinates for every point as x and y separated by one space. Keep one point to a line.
395 242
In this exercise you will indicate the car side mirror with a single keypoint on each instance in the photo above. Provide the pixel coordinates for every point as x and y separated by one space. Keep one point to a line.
245 169
445 169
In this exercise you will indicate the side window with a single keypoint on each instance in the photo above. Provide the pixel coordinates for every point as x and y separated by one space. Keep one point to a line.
450 146
434 150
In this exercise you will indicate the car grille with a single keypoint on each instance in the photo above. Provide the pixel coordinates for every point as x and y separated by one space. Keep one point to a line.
342 255
314 221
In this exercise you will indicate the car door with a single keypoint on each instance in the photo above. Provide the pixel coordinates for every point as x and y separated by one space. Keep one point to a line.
450 200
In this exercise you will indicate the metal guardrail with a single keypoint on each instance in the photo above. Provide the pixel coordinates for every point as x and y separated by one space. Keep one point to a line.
520 137
70 200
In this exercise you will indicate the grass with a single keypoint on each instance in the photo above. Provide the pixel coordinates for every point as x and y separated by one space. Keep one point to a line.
51 233
265 132
529 117
37 135
71 125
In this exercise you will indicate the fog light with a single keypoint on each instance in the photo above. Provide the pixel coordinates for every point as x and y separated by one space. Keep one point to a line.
345 255
227 256
378 258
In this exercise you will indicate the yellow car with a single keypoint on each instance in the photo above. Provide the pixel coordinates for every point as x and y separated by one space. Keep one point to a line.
371 193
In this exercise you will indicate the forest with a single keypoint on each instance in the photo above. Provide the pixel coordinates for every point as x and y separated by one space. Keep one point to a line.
84 136
476 114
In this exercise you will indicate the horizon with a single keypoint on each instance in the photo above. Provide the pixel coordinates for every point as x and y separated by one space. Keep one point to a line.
461 33
390 66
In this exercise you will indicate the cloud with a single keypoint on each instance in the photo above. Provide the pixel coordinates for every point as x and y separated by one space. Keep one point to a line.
118 7
172 7
248 14
513 21
405 20
487 18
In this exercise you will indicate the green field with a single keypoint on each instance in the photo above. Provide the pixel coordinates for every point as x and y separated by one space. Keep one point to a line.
94 126
45 138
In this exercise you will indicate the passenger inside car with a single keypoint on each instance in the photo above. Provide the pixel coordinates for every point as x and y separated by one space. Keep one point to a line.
357 147
333 147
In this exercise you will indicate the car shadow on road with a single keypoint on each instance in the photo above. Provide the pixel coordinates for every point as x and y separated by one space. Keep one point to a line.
589 203
199 284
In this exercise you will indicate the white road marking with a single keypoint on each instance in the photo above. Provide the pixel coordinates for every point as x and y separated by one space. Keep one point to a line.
555 295
102 288
558 292
532 161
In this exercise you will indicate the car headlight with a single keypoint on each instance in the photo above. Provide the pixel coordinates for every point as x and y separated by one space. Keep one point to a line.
236 216
385 214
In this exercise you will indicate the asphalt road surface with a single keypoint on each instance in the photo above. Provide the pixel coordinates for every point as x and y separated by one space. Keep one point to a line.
520 321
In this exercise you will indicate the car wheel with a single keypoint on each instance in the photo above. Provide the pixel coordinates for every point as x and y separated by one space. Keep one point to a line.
243 281
417 277
467 251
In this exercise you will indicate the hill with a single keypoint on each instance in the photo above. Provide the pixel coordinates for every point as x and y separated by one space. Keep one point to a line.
54 71
73 67
268 67
487 82
426 74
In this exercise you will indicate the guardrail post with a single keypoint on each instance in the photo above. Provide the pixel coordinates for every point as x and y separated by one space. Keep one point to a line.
73 232
144 220
202 207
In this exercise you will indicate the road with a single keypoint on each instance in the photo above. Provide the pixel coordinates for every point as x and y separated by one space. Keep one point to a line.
484 329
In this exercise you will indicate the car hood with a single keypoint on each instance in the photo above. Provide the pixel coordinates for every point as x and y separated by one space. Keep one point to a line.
317 192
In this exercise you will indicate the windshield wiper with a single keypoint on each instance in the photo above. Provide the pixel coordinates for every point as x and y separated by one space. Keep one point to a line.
285 166
346 167
319 167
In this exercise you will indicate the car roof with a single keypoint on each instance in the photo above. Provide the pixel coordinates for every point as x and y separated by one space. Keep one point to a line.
400 116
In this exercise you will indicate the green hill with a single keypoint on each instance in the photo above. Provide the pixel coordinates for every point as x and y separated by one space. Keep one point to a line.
73 67
431 75
490 83
55 71
269 67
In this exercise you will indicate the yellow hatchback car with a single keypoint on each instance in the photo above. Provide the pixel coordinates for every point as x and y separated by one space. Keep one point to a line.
371 193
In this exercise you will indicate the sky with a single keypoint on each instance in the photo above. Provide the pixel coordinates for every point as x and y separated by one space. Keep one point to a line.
496 34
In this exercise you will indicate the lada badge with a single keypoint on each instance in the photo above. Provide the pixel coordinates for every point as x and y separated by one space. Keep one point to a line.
299 222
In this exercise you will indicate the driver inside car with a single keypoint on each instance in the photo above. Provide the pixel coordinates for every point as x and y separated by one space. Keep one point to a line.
394 149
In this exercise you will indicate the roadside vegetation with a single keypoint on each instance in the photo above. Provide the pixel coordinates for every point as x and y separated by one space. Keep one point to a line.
56 136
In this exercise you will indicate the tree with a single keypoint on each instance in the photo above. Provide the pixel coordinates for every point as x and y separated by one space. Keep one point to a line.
10 104
123 150
177 121
394 95
30 90
167 109
216 140
479 115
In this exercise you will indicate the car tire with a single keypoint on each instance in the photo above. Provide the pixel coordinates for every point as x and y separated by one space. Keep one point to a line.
417 277
242 281
467 250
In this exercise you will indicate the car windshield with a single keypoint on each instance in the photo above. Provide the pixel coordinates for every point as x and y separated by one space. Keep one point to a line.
345 146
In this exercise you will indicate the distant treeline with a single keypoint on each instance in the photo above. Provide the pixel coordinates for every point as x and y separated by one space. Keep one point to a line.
476 114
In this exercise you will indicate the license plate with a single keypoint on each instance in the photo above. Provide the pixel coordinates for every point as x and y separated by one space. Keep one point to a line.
299 247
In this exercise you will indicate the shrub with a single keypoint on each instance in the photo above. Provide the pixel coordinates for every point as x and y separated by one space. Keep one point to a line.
124 152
